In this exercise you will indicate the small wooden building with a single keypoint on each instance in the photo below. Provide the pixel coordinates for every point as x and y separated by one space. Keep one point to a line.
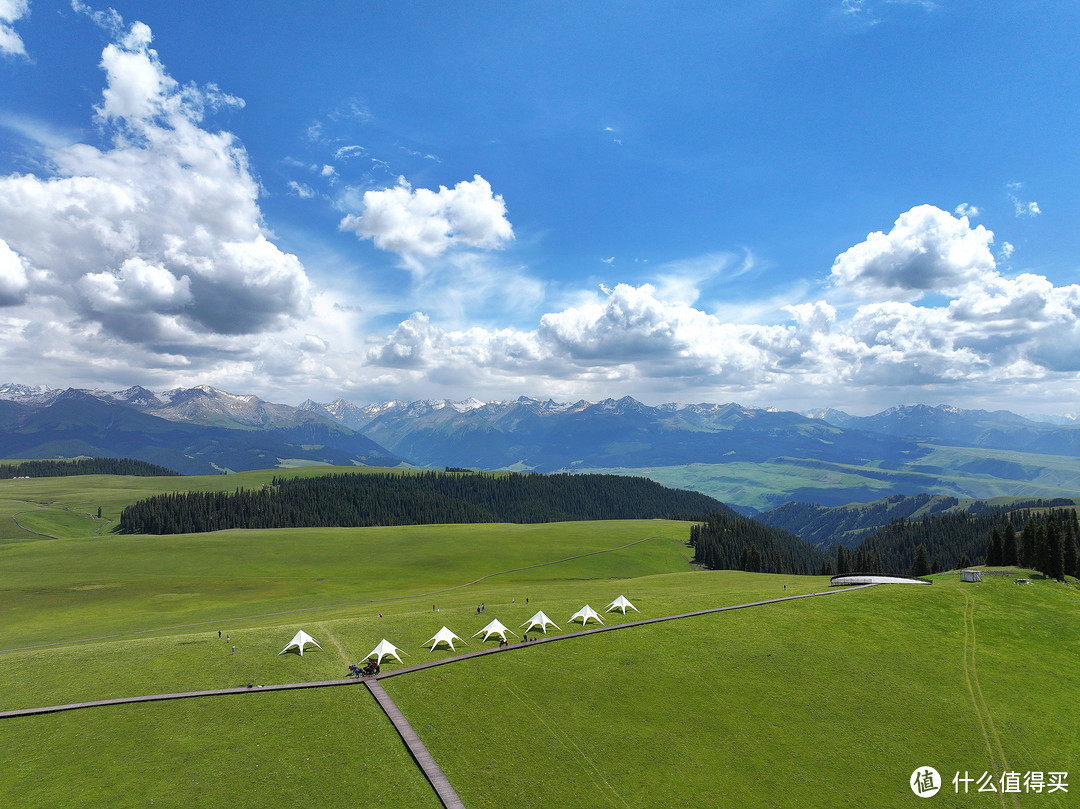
970 575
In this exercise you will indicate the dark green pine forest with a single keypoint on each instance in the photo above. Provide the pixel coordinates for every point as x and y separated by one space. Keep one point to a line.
1045 541
425 498
728 541
83 466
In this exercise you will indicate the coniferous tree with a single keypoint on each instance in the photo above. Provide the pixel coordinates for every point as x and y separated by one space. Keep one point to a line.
1055 558
921 565
753 560
1008 545
1071 556
1072 551
993 549
964 562
843 561
1042 550
1027 545
826 568
935 567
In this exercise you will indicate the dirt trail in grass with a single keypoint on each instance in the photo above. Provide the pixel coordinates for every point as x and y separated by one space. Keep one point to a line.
346 604
30 530
333 640
978 701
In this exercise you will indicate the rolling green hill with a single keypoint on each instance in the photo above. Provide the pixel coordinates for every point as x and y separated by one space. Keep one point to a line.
825 701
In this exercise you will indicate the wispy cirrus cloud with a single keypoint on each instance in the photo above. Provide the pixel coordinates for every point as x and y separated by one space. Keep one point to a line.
1022 208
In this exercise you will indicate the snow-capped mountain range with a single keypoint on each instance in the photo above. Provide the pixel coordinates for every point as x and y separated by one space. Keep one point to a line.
202 429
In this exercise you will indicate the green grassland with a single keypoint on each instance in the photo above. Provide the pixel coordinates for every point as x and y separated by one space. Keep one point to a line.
322 747
829 701
65 590
67 506
821 702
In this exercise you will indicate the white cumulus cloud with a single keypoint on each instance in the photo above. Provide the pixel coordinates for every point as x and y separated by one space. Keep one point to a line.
11 11
13 280
424 224
927 251
159 232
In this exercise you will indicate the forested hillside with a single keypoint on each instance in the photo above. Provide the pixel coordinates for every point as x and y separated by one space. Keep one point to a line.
83 466
727 541
1044 540
848 525
825 526
353 500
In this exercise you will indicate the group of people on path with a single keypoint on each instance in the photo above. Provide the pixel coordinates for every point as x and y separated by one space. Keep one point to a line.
370 667
526 639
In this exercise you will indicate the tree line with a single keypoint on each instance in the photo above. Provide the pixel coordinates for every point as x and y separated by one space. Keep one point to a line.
1045 541
83 466
727 541
369 499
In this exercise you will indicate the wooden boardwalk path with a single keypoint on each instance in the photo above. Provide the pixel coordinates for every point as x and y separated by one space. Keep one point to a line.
419 752
213 692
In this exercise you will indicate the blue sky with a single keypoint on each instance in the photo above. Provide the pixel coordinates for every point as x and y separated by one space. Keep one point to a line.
856 203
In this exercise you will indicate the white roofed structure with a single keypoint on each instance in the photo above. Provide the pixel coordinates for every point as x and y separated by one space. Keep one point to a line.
299 639
871 578
585 613
385 649
621 603
541 621
495 628
444 635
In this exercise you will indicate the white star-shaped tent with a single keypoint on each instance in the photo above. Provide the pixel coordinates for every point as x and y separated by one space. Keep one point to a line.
444 635
385 649
495 628
585 613
541 621
299 639
621 603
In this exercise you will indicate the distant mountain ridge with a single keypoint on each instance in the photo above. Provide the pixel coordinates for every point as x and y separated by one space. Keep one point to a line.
754 458
193 431
998 429
543 435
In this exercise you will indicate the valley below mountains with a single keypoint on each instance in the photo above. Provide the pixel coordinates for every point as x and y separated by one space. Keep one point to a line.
751 458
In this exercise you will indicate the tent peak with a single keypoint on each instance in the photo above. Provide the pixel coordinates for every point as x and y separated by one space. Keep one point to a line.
299 640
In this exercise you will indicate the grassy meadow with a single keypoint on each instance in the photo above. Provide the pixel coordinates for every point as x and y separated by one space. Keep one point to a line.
66 507
829 701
